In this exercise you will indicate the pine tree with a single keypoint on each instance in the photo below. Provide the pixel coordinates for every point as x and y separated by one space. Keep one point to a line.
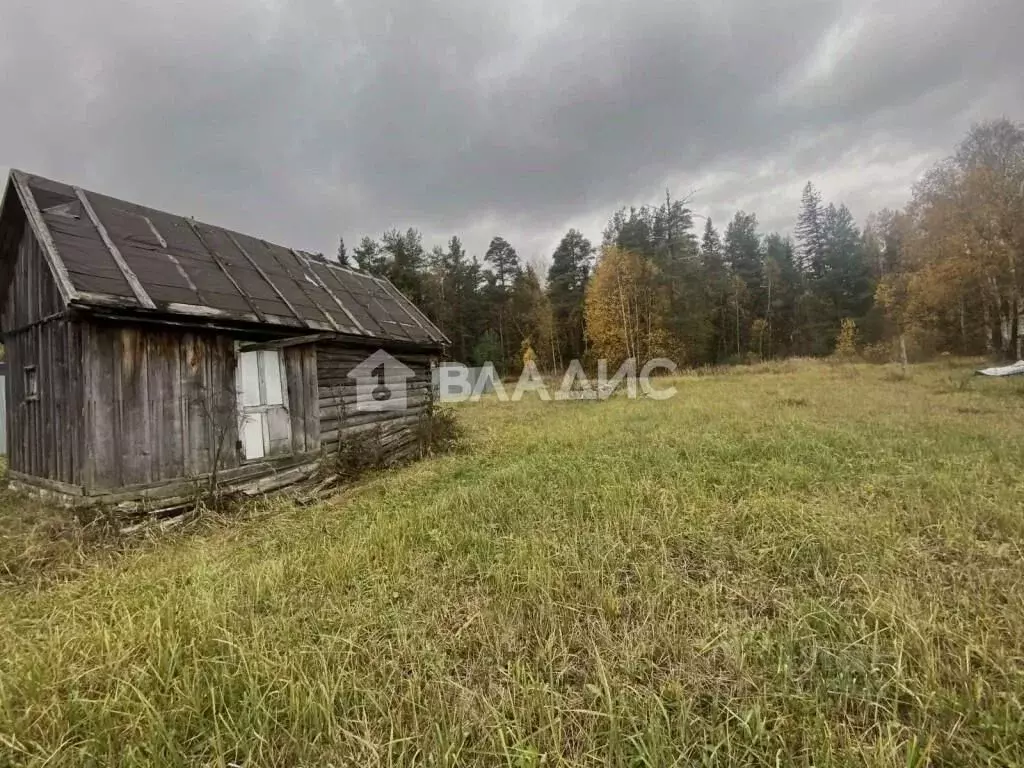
452 297
567 282
404 261
782 286
504 262
677 256
632 229
743 249
743 255
505 268
369 256
672 231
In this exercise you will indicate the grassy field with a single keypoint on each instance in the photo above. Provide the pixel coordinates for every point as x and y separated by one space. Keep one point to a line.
794 563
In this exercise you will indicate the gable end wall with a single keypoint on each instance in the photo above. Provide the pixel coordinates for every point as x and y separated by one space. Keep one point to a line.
45 436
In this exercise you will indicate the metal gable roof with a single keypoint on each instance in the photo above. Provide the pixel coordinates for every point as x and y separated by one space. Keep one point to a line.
106 252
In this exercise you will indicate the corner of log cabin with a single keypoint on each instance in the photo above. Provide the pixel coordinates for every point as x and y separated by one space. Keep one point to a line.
337 394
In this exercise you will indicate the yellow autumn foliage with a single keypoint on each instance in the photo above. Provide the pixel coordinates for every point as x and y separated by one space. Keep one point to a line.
625 309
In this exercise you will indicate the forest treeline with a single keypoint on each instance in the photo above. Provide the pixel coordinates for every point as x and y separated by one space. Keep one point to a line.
942 275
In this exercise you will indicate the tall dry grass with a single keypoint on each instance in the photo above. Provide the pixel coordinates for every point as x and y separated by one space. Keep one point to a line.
801 564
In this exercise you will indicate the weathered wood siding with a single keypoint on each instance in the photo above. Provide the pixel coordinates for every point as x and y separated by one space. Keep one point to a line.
32 296
300 367
159 403
45 436
162 405
339 418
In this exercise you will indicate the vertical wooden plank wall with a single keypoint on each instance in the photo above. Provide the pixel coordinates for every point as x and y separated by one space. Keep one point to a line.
44 434
120 405
304 409
159 401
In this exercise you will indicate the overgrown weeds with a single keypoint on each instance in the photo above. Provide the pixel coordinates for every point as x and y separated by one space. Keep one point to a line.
794 402
894 374
359 454
437 432
41 541
440 431
961 382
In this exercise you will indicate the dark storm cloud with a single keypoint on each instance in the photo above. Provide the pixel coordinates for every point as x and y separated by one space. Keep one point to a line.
302 120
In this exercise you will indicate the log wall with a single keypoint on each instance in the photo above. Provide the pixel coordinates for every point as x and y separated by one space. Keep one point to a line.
338 392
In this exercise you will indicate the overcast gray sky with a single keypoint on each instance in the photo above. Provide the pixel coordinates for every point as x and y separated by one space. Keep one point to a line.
304 120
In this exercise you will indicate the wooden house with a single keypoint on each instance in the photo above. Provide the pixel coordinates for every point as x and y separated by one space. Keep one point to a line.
150 353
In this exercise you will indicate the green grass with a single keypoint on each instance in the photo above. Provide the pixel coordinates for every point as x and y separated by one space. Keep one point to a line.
796 563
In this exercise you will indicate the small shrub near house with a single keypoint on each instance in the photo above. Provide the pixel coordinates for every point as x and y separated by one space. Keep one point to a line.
358 454
440 431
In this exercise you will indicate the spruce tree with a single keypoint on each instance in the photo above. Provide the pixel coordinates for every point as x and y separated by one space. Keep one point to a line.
343 259
846 283
809 232
716 291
